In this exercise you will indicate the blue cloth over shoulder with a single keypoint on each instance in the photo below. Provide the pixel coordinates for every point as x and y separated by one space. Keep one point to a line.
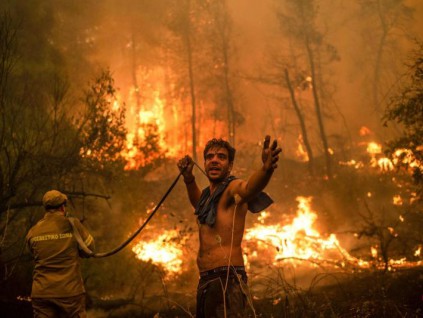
207 206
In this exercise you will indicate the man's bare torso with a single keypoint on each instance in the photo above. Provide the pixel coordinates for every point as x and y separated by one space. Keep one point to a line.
220 245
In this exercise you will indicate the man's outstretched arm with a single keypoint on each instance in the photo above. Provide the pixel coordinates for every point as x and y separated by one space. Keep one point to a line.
186 165
260 178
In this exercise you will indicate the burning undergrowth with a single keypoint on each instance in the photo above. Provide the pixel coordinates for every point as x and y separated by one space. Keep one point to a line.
275 237
291 257
289 251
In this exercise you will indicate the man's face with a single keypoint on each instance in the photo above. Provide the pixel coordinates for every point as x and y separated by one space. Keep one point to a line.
217 164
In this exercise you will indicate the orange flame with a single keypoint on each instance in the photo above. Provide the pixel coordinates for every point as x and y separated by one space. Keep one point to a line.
295 242
162 250
406 156
364 131
299 240
374 148
301 153
417 252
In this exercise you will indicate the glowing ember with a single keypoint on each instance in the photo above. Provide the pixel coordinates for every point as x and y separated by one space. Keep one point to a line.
406 157
418 251
352 163
262 216
364 131
392 231
385 164
374 148
163 251
397 200
413 197
373 251
116 105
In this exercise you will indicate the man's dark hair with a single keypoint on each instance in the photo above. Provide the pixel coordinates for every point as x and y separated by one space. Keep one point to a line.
220 143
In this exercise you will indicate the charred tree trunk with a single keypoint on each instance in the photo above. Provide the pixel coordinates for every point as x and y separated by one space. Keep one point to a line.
378 61
136 88
193 101
302 124
223 31
228 96
8 59
188 46
318 109
134 74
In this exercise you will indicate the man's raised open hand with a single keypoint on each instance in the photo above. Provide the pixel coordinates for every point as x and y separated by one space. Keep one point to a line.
270 154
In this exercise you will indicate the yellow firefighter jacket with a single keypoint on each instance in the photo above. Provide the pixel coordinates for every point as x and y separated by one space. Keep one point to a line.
57 271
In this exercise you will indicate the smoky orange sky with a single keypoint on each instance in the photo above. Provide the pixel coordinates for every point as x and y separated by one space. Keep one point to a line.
266 109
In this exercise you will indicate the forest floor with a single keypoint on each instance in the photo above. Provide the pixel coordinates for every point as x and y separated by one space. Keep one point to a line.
366 294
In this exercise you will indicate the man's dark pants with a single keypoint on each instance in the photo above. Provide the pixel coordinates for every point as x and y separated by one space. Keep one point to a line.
211 290
70 307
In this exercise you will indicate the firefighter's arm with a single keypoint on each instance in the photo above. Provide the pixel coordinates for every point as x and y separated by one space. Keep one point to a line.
28 242
85 235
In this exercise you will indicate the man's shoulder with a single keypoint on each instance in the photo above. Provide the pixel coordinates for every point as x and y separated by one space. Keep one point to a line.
34 229
234 182
74 221
48 222
37 225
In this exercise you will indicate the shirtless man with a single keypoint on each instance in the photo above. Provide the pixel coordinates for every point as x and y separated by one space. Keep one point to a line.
221 209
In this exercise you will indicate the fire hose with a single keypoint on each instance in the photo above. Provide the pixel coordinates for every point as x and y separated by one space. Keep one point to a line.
90 253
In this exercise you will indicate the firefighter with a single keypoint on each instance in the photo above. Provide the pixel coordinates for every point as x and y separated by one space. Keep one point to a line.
57 287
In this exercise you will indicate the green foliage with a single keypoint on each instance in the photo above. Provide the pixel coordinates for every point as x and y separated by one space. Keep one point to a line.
103 130
150 146
407 110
